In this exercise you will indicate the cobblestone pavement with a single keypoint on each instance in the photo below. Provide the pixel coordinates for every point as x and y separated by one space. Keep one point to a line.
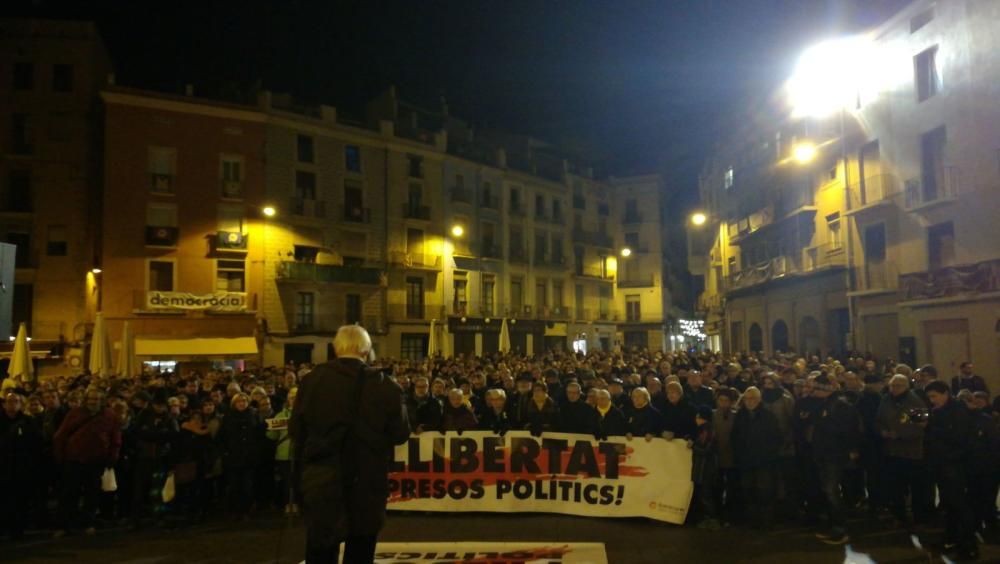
269 538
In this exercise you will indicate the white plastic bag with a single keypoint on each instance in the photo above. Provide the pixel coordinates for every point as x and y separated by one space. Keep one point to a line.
169 490
108 481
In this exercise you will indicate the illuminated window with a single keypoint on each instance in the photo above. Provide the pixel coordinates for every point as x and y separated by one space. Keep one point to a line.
728 182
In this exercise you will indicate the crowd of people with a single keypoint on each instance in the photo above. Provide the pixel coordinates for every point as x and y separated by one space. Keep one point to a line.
773 438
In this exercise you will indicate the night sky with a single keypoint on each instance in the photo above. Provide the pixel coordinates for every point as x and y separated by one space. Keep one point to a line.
643 83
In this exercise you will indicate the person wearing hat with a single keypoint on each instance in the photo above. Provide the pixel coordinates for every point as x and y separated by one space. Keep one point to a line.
517 402
836 443
154 431
616 387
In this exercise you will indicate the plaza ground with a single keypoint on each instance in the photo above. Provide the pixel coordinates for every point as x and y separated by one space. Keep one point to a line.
627 541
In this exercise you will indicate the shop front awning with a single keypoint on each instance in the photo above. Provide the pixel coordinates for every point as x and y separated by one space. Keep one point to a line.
209 347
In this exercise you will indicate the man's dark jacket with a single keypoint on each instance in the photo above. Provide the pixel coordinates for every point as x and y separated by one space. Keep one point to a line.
756 438
613 423
576 417
837 430
345 425
948 436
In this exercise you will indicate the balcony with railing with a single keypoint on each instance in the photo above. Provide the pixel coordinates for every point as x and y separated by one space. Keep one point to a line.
307 207
355 214
422 261
709 302
631 217
416 211
939 187
596 272
646 281
594 238
461 195
518 255
872 192
876 278
489 201
327 323
490 250
966 280
814 260
296 271
551 260
415 312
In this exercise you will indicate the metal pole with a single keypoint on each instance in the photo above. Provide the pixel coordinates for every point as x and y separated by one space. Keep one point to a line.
849 279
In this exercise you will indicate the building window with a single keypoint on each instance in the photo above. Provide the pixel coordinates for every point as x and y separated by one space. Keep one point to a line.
632 240
557 249
232 176
161 276
162 167
941 245
305 253
21 134
21 240
352 309
460 287
412 346
304 149
489 288
414 297
728 181
578 300
516 294
926 74
539 206
161 225
305 305
488 195
632 308
488 240
62 78
604 302
415 166
515 200
231 276
460 181
833 229
24 76
557 210
932 167
557 294
541 294
352 158
305 185
18 196
57 245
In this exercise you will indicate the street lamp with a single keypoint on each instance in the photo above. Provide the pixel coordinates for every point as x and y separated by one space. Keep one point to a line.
457 230
698 219
269 211
626 252
804 152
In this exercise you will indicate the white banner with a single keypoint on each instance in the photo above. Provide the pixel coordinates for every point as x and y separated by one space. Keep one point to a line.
555 473
491 552
216 301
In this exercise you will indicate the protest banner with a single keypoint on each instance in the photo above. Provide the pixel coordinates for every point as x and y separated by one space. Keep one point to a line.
554 473
490 553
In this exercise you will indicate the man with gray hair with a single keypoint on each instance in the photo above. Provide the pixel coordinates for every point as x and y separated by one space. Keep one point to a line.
346 422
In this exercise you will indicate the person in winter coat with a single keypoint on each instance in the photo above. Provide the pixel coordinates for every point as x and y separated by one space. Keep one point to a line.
779 402
872 456
608 420
642 419
278 433
575 414
756 444
458 415
345 424
836 443
727 486
20 444
902 417
87 443
424 409
495 415
947 443
239 441
983 462
155 430
542 413
696 392
677 413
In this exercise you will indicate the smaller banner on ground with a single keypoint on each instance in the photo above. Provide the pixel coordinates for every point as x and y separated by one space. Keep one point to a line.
490 552
555 473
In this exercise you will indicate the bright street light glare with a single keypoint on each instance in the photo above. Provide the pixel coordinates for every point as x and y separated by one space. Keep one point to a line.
626 252
269 211
457 230
698 218
830 75
95 270
804 152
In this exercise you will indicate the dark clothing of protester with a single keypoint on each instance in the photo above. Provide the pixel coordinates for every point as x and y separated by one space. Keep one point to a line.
974 383
426 413
498 423
837 431
576 417
755 438
702 395
88 438
645 421
240 438
948 439
611 424
678 418
542 419
458 418
345 425
517 407
20 444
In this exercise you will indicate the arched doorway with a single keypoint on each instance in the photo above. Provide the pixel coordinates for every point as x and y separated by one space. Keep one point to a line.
809 341
779 336
756 338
